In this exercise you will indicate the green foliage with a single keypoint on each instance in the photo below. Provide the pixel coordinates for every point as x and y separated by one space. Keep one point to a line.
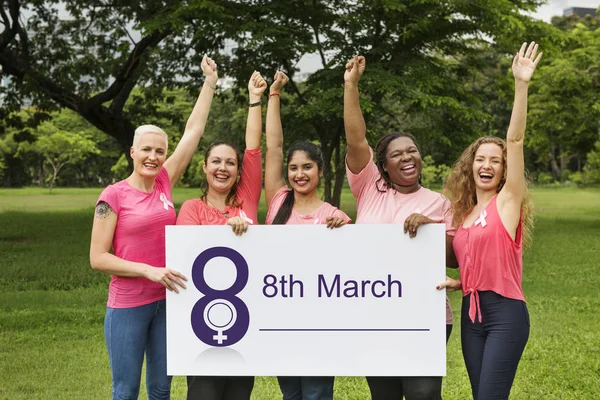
120 169
433 175
591 170
52 304
565 98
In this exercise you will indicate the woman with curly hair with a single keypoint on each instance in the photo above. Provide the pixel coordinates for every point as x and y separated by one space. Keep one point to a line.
492 211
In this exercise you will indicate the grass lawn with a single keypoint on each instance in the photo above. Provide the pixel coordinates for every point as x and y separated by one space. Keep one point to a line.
52 304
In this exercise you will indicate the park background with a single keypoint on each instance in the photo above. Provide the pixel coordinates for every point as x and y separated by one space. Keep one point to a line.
77 77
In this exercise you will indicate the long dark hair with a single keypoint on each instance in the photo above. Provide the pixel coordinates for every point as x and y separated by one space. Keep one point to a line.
381 158
314 153
231 197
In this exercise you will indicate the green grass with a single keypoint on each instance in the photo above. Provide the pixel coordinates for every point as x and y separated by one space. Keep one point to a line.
52 304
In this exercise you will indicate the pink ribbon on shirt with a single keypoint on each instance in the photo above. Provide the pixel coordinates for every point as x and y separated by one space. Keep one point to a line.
245 217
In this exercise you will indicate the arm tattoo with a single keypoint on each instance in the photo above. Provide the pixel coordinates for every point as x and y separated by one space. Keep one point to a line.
103 210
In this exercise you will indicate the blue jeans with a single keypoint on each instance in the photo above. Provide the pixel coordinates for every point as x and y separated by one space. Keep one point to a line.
129 333
493 347
306 387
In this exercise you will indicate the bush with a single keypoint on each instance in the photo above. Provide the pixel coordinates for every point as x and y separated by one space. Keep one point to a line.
544 178
432 174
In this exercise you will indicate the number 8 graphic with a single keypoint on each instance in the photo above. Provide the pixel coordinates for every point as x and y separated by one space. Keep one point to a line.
234 329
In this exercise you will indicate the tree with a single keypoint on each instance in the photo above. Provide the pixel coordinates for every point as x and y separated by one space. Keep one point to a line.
565 101
88 56
419 56
58 148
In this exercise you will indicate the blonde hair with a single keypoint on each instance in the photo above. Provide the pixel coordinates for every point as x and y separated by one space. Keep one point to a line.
460 186
143 129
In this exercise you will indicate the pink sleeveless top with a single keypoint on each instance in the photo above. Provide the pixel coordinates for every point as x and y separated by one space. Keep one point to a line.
489 259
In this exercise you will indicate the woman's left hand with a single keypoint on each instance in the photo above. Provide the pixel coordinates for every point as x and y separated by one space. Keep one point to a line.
335 222
209 68
413 222
525 62
238 224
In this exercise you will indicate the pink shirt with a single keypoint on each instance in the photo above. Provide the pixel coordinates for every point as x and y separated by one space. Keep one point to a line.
489 259
140 237
376 204
197 212
319 216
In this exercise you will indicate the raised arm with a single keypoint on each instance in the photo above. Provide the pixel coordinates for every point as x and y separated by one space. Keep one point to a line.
524 64
256 88
103 230
194 129
356 131
274 158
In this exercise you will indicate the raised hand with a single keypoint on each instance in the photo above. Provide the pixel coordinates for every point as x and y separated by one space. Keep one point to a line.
279 81
525 62
209 68
354 70
256 86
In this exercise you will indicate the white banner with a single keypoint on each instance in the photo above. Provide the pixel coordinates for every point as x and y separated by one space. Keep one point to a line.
304 300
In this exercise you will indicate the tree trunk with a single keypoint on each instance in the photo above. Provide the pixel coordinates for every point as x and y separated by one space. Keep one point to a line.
556 172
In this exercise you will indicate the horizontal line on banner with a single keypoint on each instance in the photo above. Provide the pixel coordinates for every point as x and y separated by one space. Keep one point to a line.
343 330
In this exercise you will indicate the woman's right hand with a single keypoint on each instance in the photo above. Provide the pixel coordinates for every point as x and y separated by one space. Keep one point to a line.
279 81
238 224
450 284
354 70
167 277
256 86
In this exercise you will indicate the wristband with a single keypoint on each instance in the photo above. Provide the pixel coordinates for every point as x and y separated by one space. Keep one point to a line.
258 103
210 85
274 94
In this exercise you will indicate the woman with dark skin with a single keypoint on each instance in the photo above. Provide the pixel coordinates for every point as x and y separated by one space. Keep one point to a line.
389 191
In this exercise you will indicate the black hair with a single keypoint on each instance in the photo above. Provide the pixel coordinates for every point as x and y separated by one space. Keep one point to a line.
381 158
231 197
314 153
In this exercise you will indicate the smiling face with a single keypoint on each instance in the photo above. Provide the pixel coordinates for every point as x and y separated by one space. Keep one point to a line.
149 155
403 162
488 167
303 173
221 168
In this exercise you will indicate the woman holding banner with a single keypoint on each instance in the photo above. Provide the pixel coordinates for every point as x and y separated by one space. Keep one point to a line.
130 217
493 212
228 200
389 191
298 205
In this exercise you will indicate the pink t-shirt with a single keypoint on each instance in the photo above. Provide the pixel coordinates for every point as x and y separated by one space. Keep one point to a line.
319 216
140 237
197 212
489 259
376 204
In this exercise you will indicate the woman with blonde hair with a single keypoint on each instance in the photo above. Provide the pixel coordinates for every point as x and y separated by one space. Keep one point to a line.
130 218
492 211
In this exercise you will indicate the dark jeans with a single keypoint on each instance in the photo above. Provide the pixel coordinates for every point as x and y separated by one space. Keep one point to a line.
219 387
492 349
306 387
411 388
